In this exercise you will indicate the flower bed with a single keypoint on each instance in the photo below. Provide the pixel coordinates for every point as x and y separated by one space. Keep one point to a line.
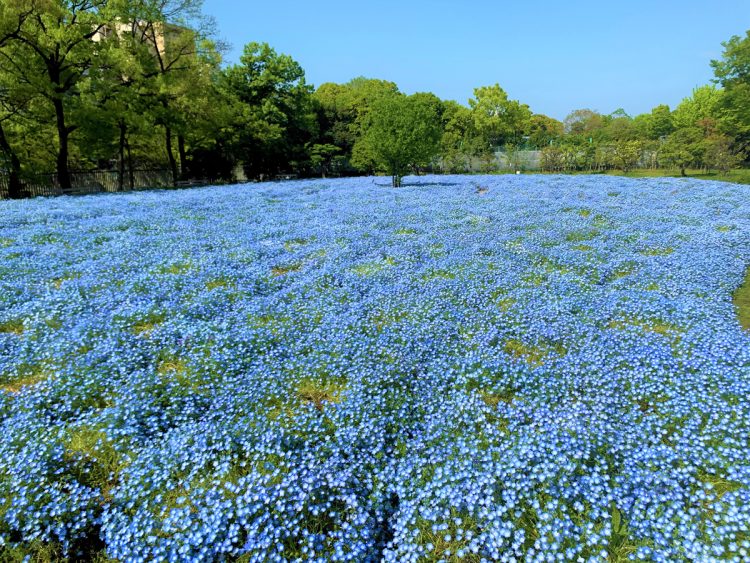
466 368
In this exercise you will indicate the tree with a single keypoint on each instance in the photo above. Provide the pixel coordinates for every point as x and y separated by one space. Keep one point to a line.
660 123
627 153
167 37
274 112
497 119
733 74
343 110
702 104
402 132
721 155
583 122
53 52
544 130
14 98
683 148
458 138
552 158
323 156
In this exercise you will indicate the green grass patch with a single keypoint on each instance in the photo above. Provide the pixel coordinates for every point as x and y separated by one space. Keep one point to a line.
623 270
741 300
534 355
655 326
581 236
57 282
450 543
319 393
439 274
406 231
174 269
665 251
145 325
285 269
372 268
47 238
718 484
95 460
583 247
13 326
219 283
293 244
28 376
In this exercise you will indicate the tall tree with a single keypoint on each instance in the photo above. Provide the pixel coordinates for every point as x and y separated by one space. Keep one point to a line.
14 97
498 119
343 109
458 138
403 132
701 105
583 122
732 72
166 37
274 109
57 50
544 130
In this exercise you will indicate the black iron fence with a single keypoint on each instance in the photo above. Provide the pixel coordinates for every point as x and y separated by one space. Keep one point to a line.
95 181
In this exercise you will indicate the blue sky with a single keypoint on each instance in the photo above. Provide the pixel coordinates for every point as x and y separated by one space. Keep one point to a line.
554 56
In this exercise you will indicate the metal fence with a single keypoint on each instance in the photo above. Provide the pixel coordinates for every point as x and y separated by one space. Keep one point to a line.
93 181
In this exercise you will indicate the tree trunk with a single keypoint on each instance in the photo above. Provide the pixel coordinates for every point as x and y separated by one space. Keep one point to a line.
170 155
682 171
131 174
63 133
121 171
184 172
14 173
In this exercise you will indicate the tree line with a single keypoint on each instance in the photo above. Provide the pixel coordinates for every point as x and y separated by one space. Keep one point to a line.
130 84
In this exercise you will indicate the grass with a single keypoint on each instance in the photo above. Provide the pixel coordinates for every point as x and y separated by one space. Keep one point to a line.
449 544
293 244
30 376
319 393
655 326
277 271
13 326
741 300
581 236
531 354
175 269
95 460
145 325
371 268
219 282
658 251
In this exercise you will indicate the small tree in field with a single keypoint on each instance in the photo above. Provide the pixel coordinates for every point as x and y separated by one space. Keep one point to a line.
402 132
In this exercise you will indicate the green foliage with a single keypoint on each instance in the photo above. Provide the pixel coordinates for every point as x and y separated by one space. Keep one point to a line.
402 132
741 300
683 148
701 105
273 110
497 119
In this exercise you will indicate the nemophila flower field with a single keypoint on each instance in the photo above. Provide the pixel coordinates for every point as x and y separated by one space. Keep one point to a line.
550 368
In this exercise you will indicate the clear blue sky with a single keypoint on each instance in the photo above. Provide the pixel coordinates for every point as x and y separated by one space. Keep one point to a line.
554 56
